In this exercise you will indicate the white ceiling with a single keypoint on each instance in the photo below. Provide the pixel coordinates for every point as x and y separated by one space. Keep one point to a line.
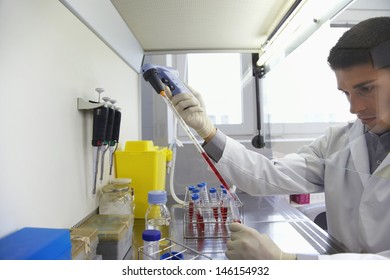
242 25
169 25
133 28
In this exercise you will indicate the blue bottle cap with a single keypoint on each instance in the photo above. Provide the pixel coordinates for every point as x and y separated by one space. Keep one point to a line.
195 191
195 196
172 256
201 185
157 197
151 235
212 190
191 188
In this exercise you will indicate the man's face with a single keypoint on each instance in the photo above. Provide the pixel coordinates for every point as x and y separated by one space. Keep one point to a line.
383 99
368 93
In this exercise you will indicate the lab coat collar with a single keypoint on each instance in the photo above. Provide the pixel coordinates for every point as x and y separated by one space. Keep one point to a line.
359 153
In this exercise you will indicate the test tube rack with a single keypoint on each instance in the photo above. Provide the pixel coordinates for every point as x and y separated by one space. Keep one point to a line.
215 218
172 250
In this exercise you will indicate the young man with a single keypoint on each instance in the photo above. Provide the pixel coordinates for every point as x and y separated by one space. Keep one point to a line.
350 163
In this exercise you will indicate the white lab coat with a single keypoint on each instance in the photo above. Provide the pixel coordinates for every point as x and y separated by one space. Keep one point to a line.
357 203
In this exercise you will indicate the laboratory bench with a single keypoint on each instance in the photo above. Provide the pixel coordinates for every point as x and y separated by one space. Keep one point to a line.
289 228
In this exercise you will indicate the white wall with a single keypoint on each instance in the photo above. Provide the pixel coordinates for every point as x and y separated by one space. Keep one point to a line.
48 58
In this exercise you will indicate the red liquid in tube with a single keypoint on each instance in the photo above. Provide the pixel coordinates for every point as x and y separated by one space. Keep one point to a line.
215 212
191 210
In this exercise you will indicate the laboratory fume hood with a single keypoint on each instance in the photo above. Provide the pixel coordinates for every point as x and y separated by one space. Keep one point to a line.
133 28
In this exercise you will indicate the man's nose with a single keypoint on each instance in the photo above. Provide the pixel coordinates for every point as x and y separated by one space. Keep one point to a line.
356 103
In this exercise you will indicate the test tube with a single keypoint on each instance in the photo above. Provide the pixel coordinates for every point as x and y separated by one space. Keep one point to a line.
224 205
203 192
190 207
214 202
221 188
235 211
151 238
196 191
189 191
199 215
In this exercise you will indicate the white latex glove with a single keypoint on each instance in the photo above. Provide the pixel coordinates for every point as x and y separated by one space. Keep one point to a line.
248 244
191 108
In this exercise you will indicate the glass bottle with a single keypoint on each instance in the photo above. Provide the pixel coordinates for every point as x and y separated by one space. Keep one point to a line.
157 215
126 181
116 199
151 239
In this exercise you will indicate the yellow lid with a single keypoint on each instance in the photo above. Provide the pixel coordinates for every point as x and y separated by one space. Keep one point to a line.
139 146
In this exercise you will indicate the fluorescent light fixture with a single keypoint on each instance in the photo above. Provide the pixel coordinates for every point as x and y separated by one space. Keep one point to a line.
308 17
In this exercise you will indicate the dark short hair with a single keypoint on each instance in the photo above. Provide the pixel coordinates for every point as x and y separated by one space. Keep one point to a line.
354 46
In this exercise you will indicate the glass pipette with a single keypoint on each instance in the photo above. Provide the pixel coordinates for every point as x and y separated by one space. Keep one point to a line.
206 157
157 76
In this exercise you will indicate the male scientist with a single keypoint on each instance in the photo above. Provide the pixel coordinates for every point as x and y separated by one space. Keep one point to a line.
350 163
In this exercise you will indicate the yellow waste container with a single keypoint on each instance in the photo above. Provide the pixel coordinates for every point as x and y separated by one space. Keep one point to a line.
145 164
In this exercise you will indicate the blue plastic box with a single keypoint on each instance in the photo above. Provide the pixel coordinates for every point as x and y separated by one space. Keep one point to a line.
37 244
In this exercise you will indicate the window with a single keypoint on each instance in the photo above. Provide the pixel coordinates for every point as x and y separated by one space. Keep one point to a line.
226 84
218 78
300 93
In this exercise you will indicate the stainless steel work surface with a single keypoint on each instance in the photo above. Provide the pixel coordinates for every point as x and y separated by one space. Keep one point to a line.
291 230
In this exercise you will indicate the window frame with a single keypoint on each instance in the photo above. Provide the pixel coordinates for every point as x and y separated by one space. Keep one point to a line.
308 131
248 106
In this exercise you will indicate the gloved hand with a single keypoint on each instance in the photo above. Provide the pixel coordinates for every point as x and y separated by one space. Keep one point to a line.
191 108
248 244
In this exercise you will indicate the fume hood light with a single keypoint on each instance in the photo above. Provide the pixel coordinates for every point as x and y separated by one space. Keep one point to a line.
308 16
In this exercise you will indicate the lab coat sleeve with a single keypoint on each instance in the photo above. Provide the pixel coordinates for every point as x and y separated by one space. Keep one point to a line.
255 174
216 146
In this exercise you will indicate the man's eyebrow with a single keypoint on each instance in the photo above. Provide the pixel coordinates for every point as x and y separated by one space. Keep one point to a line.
359 85
363 84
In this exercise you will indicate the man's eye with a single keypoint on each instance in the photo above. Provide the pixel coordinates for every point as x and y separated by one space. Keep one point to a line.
366 89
